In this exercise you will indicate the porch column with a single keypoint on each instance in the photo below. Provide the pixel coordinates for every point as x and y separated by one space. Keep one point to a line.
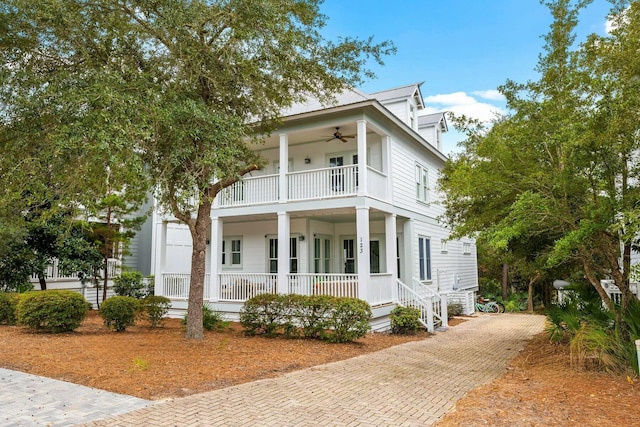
215 254
284 168
364 267
283 251
362 158
386 166
409 262
391 251
160 244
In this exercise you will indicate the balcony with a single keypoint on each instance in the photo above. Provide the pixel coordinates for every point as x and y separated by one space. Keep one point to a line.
314 184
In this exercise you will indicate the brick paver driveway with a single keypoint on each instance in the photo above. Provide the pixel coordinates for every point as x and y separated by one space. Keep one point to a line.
412 384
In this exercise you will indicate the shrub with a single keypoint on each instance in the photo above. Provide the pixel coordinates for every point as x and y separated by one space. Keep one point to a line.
130 284
329 318
313 315
454 309
8 304
211 320
155 308
52 310
119 312
262 314
405 320
348 320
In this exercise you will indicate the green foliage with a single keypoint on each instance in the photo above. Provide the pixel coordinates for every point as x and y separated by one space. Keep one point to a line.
8 305
262 314
161 94
405 320
212 320
347 320
155 308
454 309
318 316
130 284
595 340
52 310
516 302
119 312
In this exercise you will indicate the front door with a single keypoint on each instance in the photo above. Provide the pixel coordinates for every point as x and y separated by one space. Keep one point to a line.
337 176
349 255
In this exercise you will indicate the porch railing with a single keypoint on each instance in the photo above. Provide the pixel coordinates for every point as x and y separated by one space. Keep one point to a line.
54 274
251 191
431 305
243 286
339 285
323 183
381 289
377 183
176 285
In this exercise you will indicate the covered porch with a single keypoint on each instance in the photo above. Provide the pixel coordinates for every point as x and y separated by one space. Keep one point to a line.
342 251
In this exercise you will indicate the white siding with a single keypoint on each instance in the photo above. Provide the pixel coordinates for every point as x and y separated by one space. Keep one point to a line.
403 161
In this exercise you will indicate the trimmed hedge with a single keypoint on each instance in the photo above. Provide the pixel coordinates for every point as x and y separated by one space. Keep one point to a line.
405 320
119 312
8 305
318 316
52 310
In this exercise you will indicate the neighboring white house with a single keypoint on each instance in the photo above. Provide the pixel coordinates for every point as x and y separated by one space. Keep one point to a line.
346 205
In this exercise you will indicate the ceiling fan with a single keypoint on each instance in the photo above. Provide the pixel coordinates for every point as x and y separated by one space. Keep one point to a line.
338 135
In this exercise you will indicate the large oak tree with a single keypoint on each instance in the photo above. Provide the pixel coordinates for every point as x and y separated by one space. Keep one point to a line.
178 89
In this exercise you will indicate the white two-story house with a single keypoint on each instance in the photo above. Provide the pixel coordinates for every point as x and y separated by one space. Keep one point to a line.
346 205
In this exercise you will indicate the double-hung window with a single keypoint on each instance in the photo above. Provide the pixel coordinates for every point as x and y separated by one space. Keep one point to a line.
232 252
422 183
424 256
272 258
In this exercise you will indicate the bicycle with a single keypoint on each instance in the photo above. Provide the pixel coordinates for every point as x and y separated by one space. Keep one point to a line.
489 306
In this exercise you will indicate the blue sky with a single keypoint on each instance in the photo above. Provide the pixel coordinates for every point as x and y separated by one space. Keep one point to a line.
462 49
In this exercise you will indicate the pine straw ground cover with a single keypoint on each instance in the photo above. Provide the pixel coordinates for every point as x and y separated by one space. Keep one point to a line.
541 388
156 363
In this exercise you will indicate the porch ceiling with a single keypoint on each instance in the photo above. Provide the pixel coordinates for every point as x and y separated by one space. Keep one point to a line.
335 215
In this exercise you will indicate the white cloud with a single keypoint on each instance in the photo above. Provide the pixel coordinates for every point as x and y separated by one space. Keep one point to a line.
493 94
461 103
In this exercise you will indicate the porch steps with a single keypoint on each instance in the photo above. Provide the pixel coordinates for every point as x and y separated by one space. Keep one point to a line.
432 305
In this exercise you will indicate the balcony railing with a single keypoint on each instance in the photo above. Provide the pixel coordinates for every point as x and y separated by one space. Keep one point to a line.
251 191
323 183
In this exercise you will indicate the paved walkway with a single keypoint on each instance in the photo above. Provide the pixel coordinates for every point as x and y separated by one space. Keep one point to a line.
413 384
29 400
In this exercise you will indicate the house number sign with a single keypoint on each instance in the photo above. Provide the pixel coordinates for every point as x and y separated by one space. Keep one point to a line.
361 246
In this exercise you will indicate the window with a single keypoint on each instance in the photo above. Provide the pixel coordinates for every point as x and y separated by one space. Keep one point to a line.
443 246
398 257
273 255
412 117
466 248
424 253
422 183
321 255
374 256
349 256
232 252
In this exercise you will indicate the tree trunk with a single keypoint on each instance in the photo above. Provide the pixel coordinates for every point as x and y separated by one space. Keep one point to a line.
530 296
505 281
199 232
43 282
107 243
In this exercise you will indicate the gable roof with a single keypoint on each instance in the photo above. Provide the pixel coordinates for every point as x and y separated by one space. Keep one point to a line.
402 92
433 120
346 97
